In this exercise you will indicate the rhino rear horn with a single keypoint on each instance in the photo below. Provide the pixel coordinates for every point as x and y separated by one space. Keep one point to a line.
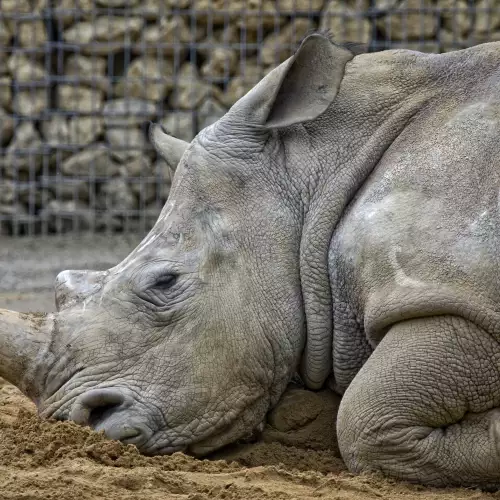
168 147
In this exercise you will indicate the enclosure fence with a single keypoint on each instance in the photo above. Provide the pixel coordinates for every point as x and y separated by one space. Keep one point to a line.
80 80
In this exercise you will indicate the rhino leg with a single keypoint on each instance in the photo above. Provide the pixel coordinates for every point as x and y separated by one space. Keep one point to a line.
425 406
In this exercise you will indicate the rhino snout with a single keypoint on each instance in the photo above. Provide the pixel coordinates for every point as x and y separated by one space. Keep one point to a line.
106 410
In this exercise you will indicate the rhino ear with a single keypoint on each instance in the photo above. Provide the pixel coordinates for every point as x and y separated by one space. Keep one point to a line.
298 90
168 147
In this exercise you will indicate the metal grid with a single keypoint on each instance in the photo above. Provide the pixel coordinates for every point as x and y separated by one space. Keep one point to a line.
81 79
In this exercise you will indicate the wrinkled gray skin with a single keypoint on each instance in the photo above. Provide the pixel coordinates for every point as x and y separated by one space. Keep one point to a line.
346 208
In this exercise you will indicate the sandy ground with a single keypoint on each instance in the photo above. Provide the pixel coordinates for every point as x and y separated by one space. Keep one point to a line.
295 458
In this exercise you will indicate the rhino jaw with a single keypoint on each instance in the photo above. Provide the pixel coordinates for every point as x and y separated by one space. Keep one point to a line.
24 342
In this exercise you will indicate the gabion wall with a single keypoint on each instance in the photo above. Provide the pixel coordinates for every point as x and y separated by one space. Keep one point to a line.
81 79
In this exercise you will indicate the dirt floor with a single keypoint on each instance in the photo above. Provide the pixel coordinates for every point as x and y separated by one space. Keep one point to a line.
49 460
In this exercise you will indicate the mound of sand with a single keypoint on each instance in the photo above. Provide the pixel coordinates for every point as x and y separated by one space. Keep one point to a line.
60 460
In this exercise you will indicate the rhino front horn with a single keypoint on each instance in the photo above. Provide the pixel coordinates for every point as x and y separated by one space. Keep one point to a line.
24 342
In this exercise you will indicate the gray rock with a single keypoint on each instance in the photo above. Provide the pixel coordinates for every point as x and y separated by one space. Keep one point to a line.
125 143
278 47
33 196
24 153
7 192
79 99
89 71
180 124
85 129
6 127
291 7
55 131
30 102
164 37
114 33
94 161
116 195
117 3
457 19
32 33
190 90
66 188
138 167
222 63
351 25
25 69
209 112
241 84
67 12
5 34
487 19
147 78
5 92
144 190
128 112
399 24
64 216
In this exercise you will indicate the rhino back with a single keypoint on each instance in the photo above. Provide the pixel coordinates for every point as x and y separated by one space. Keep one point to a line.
422 235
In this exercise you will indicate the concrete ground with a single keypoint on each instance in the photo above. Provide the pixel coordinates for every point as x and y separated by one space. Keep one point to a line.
29 265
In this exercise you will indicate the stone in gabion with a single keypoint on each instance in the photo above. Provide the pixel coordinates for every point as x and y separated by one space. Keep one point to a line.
117 28
89 71
222 63
32 33
79 99
252 73
401 25
190 90
457 19
137 167
147 78
125 143
128 112
55 131
5 92
6 127
347 25
487 20
67 188
30 102
180 124
24 153
291 7
117 3
209 112
94 161
166 36
64 216
85 129
5 34
7 192
24 69
117 195
278 47
67 12
33 195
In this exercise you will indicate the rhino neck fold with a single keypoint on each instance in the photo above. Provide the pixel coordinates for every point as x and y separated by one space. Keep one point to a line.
24 342
339 180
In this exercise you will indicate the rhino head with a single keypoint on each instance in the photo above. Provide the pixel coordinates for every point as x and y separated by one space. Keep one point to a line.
191 339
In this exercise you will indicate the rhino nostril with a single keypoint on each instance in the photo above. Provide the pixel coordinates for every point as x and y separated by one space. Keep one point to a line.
91 407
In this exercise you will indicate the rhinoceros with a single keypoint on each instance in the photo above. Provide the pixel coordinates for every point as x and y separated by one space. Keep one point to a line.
340 221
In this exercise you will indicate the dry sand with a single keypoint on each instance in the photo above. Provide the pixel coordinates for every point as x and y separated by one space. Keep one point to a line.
60 460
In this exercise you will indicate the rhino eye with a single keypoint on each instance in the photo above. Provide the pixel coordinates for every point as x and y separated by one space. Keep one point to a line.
165 281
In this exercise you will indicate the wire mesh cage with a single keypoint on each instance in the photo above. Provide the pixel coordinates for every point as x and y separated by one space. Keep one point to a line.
80 80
